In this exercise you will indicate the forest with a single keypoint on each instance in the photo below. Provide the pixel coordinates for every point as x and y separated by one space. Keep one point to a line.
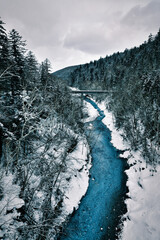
40 125
132 78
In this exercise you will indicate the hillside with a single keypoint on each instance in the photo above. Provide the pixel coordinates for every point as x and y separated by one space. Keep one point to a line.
65 72
133 78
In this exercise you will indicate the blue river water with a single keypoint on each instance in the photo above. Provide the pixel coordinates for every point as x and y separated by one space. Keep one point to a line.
100 210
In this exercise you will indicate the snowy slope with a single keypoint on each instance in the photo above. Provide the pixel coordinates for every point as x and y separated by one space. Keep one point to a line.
65 72
9 204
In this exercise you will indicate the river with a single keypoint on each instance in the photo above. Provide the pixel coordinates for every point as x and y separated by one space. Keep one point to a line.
100 210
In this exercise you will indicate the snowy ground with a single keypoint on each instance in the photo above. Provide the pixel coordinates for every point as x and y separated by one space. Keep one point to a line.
78 170
73 182
90 111
9 204
143 216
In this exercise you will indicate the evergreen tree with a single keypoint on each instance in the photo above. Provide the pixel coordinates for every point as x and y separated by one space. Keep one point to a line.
3 46
31 71
45 72
17 50
4 55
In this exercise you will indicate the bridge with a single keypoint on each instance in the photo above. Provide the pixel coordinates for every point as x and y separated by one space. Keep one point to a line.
89 91
82 92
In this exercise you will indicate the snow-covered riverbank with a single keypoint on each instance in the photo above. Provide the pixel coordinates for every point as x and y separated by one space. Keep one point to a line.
143 216
78 171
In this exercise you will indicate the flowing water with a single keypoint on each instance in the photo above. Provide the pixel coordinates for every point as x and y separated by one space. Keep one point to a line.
100 210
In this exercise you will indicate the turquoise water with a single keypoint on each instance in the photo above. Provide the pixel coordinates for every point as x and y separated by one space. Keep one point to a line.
100 209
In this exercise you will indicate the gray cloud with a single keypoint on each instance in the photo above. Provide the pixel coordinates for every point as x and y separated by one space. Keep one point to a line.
91 39
145 18
70 32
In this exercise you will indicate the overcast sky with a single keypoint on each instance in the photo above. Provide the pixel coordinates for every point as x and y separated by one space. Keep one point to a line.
70 32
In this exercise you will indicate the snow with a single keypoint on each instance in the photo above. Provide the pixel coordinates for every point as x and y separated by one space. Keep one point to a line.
143 216
73 179
11 192
91 112
109 120
79 182
9 204
1 125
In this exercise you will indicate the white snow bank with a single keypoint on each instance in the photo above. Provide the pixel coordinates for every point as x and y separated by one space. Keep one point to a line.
74 182
91 112
109 120
10 195
9 204
79 182
143 216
